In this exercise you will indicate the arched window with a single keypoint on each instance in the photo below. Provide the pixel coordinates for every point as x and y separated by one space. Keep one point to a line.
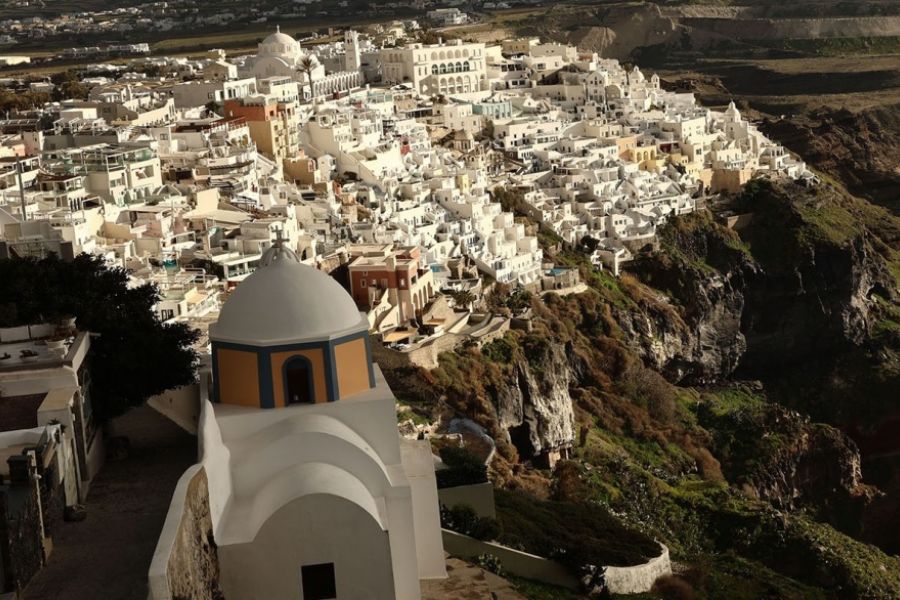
443 69
298 381
459 67
434 69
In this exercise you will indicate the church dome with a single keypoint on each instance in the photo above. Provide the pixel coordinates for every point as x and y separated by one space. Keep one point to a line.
285 302
280 45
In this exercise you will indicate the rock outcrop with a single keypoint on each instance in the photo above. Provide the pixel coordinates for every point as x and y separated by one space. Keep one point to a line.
534 406
824 272
691 331
861 148
780 456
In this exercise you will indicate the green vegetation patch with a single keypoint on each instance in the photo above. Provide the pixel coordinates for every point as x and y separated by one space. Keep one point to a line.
575 534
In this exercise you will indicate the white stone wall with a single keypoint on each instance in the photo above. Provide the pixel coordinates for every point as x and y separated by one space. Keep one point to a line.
307 531
640 578
621 580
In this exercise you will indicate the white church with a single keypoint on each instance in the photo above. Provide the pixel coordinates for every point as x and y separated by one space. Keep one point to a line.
280 55
312 492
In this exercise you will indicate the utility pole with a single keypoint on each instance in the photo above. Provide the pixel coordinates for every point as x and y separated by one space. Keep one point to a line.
21 187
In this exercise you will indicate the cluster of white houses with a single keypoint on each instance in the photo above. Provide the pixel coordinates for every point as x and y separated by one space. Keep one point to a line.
249 178
397 147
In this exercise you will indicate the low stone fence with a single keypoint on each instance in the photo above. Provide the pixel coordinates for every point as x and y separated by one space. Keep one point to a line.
639 578
621 580
513 561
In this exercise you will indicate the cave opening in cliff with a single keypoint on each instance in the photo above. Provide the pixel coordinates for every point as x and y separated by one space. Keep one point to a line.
520 436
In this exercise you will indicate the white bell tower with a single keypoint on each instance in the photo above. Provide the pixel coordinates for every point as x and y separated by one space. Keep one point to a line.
352 60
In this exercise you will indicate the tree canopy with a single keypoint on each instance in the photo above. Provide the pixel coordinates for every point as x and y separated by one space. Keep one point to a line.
133 355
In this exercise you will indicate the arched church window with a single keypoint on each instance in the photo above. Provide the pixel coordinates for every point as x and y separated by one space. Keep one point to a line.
298 381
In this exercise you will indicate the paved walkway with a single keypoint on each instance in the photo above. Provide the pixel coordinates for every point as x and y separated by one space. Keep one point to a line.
106 556
468 582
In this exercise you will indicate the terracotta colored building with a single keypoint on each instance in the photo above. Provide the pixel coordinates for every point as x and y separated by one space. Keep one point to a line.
380 273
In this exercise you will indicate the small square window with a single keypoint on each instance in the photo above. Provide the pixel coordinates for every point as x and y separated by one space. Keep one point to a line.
318 582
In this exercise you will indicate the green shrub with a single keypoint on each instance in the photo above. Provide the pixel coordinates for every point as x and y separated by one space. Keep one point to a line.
463 519
490 563
573 534
672 587
499 351
463 468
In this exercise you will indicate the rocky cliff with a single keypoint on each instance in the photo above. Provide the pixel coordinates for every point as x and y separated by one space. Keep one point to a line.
533 404
701 270
783 458
802 301
861 148
805 300
808 286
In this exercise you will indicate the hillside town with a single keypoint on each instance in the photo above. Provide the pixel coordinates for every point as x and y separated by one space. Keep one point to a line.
379 164
307 208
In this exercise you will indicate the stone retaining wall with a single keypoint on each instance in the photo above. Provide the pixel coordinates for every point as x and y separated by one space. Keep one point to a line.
640 578
185 563
621 580
513 561
426 355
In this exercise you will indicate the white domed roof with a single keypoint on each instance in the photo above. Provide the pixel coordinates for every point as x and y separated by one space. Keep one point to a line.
286 302
279 44
279 38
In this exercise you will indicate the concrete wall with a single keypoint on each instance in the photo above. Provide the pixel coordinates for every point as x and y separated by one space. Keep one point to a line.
426 356
621 580
418 466
479 496
181 405
513 561
158 575
216 478
269 567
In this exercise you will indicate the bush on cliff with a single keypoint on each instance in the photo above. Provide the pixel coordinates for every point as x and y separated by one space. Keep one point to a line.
573 534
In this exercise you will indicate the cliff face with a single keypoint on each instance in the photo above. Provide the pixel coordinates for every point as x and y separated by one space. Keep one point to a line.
692 334
803 302
780 456
533 404
821 273
807 284
861 148
809 306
